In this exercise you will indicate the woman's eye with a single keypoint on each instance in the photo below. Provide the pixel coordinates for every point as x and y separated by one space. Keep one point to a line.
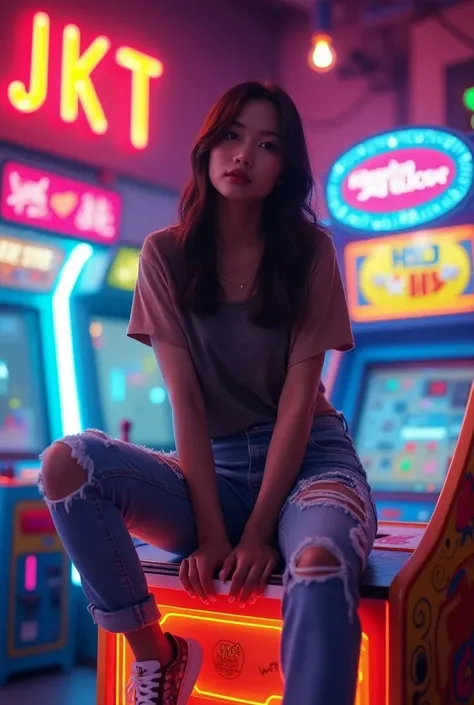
270 146
231 135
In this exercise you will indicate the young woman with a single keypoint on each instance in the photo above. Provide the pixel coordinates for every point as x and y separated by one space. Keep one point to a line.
240 301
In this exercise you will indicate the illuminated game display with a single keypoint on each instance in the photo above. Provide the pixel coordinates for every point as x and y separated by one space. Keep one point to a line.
407 429
23 418
130 384
403 224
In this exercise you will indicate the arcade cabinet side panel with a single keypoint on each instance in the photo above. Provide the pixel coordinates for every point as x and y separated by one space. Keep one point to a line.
432 598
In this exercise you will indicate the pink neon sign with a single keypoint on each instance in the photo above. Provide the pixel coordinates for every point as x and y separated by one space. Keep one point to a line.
403 178
48 201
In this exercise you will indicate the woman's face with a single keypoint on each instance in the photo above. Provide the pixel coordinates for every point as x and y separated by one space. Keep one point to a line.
247 162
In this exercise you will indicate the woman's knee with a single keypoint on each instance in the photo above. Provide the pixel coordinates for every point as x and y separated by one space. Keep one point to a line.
315 558
61 474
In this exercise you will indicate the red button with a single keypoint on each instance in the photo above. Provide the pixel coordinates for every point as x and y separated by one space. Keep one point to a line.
437 389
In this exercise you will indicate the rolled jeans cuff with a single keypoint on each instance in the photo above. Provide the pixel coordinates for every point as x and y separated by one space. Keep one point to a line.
129 619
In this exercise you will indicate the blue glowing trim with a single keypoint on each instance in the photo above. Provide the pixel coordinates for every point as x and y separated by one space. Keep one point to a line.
69 398
75 577
449 143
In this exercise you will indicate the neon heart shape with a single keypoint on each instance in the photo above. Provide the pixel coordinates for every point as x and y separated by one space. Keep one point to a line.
63 203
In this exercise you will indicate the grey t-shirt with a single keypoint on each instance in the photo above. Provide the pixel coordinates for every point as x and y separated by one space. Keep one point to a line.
241 367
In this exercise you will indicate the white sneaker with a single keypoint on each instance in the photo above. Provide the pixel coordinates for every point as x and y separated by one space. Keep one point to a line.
152 685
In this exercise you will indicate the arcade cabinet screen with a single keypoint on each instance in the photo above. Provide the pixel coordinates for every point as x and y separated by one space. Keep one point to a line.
23 423
409 423
131 386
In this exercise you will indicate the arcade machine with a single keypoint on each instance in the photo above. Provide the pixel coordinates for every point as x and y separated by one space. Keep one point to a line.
402 207
35 594
37 275
118 379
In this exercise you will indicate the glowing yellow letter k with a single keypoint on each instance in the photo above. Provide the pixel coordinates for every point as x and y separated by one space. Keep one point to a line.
76 82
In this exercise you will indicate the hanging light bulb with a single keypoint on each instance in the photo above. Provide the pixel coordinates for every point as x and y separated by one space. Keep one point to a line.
322 55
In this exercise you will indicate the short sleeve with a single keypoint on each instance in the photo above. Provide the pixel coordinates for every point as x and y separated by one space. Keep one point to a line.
326 325
153 312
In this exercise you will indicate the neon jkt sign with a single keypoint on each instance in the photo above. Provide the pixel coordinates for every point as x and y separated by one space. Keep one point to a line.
400 180
77 89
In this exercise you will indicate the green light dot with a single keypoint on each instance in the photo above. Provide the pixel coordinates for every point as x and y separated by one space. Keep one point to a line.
405 466
392 385
468 99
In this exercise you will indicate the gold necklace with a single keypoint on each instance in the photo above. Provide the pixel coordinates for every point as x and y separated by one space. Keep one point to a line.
239 284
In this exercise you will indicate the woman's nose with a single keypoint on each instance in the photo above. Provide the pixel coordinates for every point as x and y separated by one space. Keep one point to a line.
243 157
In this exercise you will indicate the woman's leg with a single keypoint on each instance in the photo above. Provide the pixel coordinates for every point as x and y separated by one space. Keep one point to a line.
99 490
326 532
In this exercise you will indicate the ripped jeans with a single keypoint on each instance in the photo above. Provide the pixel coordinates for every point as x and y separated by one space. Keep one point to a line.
133 490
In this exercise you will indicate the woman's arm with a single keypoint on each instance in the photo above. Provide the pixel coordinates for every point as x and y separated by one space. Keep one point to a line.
287 446
192 438
251 563
325 326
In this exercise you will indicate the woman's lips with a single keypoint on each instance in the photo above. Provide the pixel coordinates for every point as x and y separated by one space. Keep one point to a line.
238 178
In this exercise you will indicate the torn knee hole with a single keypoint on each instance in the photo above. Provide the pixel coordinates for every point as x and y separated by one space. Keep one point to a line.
61 473
316 560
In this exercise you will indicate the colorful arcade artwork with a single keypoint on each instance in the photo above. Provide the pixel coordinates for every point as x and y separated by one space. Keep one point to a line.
437 606
411 275
40 199
124 270
29 266
400 180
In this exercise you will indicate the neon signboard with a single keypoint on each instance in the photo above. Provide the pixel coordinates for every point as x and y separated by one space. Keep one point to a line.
414 275
29 266
38 198
400 180
77 88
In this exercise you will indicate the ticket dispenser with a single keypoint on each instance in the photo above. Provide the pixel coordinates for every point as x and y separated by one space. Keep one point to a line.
35 586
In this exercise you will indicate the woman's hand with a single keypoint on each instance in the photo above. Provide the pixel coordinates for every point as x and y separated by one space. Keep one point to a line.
197 571
250 564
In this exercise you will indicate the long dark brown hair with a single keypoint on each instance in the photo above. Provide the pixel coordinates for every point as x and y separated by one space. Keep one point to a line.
290 226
